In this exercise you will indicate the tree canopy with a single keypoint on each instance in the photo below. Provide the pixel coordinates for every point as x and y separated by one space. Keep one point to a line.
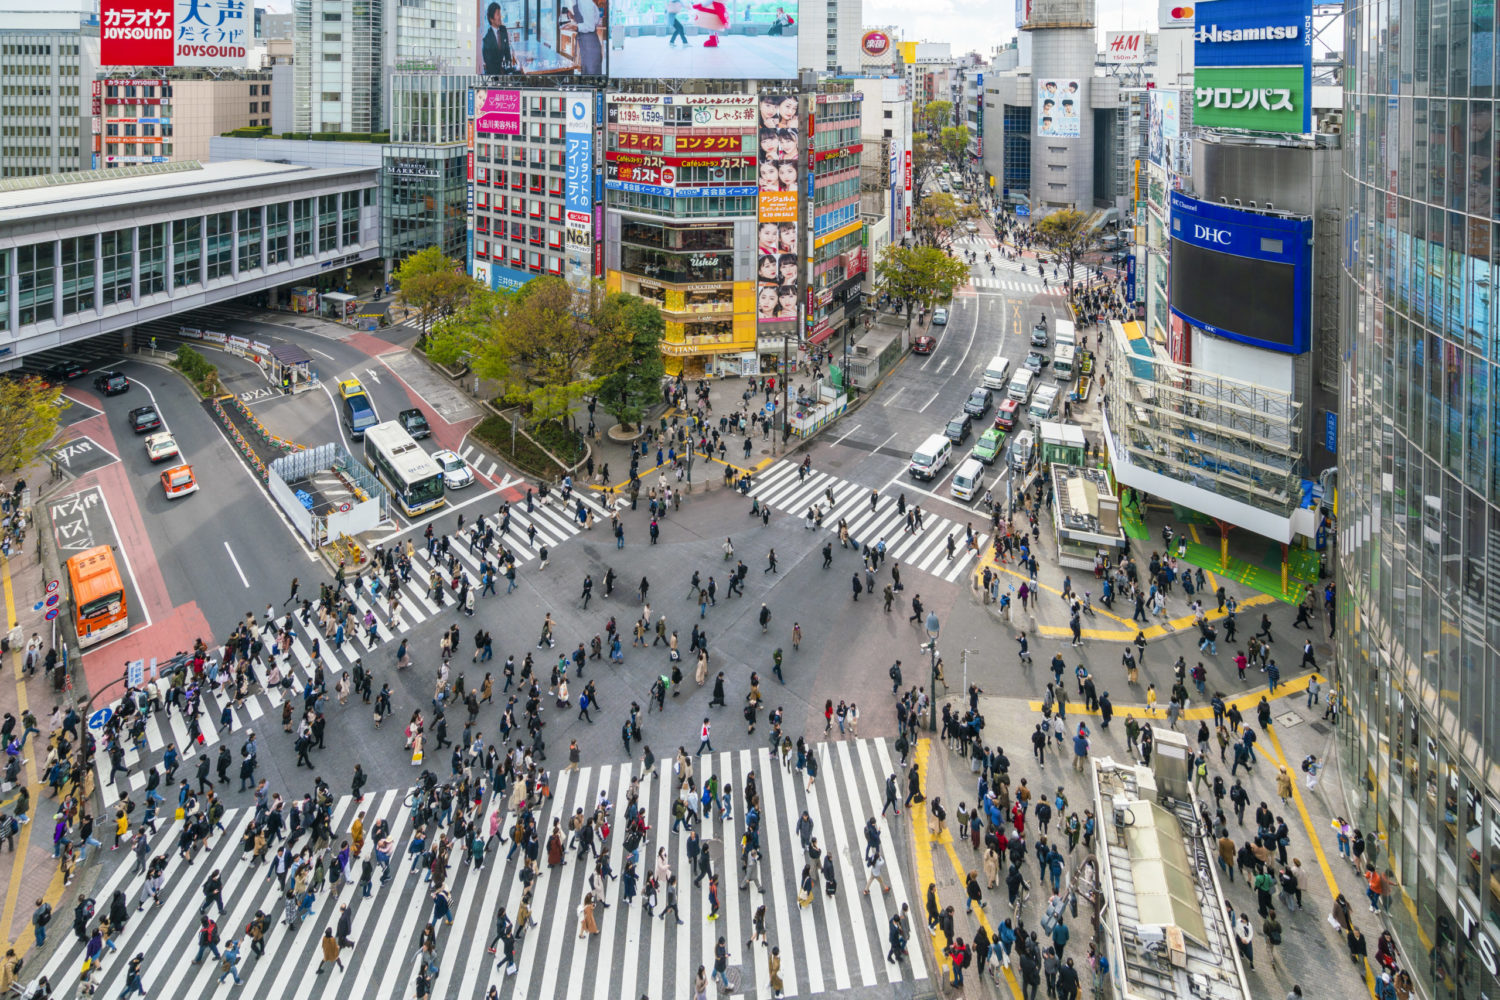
954 142
30 412
936 115
1067 235
548 345
937 218
433 285
919 275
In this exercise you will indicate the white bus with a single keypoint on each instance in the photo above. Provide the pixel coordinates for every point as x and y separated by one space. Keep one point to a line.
412 476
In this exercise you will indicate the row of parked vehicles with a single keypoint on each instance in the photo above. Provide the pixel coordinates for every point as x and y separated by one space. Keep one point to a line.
1020 390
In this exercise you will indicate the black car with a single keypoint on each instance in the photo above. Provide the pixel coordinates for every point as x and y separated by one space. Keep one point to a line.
414 422
145 418
958 428
65 371
111 383
978 403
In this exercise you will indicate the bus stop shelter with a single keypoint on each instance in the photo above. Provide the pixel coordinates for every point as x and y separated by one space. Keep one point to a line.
288 367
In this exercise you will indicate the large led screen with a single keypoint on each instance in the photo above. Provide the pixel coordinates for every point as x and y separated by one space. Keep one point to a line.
542 38
1255 299
703 39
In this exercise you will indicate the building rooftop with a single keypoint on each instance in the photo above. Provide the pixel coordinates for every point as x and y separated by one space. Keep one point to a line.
1167 929
33 198
1077 492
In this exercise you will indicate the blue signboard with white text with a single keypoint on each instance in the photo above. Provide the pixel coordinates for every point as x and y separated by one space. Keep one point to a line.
1242 275
1253 33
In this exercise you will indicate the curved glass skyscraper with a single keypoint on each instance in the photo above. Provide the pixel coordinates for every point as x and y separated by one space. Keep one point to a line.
1419 476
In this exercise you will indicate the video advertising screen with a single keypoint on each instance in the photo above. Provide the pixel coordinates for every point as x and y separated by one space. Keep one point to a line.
1254 299
542 38
703 39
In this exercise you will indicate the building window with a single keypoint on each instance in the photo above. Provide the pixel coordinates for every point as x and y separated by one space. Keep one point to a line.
219 244
302 227
152 240
114 261
278 233
249 240
351 219
77 274
328 223
34 281
4 290
187 251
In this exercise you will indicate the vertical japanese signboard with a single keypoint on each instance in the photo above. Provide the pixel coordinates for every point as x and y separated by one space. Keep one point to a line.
578 184
778 166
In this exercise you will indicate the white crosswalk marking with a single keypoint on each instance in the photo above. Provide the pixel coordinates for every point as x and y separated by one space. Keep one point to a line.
835 943
926 549
554 525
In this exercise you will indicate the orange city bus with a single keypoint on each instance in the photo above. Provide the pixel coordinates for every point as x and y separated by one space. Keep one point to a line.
98 595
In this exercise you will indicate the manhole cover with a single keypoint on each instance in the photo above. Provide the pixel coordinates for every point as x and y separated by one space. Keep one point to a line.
1320 728
1286 720
735 975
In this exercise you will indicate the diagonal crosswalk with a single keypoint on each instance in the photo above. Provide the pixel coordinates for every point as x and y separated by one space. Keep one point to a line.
926 550
219 715
836 943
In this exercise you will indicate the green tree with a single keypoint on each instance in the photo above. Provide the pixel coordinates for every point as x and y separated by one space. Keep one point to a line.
936 115
470 335
548 340
954 142
1067 235
433 285
937 218
920 275
30 412
627 356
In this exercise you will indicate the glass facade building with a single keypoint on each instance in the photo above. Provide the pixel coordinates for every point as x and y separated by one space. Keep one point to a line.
338 72
1419 484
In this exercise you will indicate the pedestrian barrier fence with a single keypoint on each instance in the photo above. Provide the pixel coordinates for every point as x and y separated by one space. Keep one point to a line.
362 510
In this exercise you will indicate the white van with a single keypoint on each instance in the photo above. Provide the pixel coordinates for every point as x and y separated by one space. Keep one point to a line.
931 457
968 481
996 372
1044 402
1021 385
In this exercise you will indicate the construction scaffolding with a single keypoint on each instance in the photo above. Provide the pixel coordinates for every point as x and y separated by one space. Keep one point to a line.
1237 439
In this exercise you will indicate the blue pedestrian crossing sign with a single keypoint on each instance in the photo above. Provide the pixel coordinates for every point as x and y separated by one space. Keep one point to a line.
102 716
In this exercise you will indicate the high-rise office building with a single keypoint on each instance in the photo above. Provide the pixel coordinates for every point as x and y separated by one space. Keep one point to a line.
49 57
338 66
828 34
1418 620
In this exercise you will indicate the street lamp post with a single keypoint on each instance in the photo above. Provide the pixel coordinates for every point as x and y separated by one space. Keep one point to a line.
933 627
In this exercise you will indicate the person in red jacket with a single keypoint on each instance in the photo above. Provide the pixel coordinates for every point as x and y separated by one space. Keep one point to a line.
959 953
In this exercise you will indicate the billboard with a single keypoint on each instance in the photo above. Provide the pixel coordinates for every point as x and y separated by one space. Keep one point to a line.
1241 275
1164 143
704 39
554 40
172 33
1124 46
779 163
1174 14
578 178
875 44
1254 65
1257 98
1057 109
1262 33
497 112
